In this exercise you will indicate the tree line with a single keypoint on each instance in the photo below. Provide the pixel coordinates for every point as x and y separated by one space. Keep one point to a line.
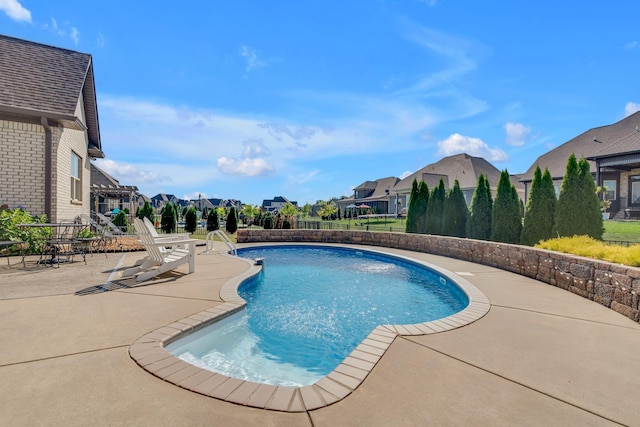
504 219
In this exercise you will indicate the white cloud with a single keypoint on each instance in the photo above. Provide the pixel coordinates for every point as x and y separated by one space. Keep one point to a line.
75 35
100 40
14 10
517 133
244 167
428 2
631 45
631 108
254 148
127 173
66 30
405 174
456 144
251 57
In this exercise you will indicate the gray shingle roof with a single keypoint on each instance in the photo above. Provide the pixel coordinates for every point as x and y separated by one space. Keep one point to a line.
463 167
610 139
39 80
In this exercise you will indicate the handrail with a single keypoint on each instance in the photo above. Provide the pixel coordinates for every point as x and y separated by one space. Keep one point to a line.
225 239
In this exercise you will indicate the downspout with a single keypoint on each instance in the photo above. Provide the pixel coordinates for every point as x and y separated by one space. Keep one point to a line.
48 166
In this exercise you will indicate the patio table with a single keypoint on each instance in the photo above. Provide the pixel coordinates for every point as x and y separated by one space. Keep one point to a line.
63 244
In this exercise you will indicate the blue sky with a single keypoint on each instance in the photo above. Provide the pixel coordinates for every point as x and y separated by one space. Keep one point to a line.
308 99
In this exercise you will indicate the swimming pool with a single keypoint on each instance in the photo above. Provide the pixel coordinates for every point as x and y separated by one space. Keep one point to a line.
311 306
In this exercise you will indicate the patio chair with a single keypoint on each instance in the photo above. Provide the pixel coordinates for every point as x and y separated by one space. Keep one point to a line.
155 235
162 256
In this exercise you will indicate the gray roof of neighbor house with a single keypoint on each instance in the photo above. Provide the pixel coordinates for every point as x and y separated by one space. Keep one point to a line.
277 199
611 139
102 181
37 81
463 167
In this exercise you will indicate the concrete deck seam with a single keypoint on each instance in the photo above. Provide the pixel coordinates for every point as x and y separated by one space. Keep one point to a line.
565 316
513 381
65 355
128 291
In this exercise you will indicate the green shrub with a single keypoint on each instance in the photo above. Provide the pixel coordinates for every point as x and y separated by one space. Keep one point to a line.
232 221
34 237
578 209
190 220
412 210
213 223
268 221
435 209
506 216
479 222
168 218
589 247
540 210
121 220
147 211
454 222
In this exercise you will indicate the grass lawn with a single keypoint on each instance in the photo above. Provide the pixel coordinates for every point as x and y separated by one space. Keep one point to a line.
628 231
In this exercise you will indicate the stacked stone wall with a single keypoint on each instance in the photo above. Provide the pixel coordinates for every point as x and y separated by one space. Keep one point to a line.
612 285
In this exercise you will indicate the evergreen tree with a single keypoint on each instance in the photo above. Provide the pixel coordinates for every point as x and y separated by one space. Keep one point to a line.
213 222
168 218
435 209
454 222
190 220
421 206
268 221
578 208
591 218
286 223
232 221
147 211
540 210
506 219
121 220
412 212
479 222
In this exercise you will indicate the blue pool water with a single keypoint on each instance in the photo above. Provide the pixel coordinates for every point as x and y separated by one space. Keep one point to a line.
310 307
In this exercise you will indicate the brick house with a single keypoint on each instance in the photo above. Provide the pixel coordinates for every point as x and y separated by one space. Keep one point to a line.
48 128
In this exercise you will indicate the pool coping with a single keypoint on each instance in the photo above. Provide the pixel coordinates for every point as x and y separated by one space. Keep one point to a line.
149 350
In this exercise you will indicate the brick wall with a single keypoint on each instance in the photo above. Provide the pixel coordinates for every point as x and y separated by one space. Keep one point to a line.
612 285
22 166
77 141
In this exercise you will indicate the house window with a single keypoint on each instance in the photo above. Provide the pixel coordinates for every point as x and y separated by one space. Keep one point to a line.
76 177
610 185
634 184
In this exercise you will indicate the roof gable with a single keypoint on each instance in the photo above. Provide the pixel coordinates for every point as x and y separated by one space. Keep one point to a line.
37 80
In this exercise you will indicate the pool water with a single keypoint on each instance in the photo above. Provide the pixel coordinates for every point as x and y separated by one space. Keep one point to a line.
310 307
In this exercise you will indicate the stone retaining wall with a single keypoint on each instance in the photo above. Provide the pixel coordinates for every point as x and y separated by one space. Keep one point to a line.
612 285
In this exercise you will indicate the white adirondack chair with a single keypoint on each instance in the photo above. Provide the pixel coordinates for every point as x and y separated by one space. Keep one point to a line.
163 254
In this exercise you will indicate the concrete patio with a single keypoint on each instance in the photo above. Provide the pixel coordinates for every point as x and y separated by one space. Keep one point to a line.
541 356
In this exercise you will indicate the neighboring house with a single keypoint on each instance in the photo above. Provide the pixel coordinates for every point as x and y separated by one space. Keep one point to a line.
48 128
463 167
613 152
160 200
108 194
374 194
275 204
